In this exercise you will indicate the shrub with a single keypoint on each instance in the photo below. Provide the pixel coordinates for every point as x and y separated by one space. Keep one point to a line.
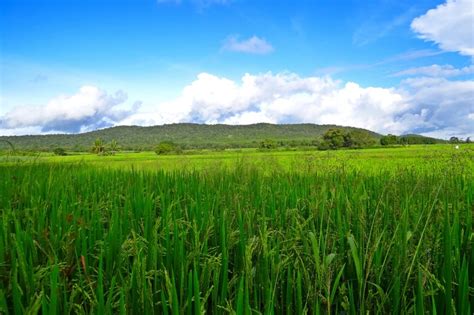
167 147
267 144
389 140
59 151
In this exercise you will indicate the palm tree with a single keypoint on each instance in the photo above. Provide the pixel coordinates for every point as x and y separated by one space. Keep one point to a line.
98 147
113 146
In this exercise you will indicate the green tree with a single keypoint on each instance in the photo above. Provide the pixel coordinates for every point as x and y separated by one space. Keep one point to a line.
468 140
404 140
454 140
267 144
334 138
59 151
389 140
113 146
358 139
98 147
166 147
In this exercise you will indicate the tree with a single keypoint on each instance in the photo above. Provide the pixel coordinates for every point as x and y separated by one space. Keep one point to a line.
166 147
267 144
454 140
113 146
98 147
403 140
59 151
389 140
358 139
468 140
334 138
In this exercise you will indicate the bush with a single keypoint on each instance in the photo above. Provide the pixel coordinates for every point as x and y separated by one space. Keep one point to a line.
167 147
323 146
389 140
358 139
267 144
59 151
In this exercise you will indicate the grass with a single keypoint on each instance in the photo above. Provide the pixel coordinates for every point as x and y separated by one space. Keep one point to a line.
348 232
375 159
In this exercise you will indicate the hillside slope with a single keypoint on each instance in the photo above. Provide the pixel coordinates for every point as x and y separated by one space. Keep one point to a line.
187 135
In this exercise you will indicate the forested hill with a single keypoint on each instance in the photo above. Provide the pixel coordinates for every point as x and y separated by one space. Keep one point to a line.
186 135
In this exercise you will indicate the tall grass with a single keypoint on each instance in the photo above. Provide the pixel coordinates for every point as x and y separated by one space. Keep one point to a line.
76 239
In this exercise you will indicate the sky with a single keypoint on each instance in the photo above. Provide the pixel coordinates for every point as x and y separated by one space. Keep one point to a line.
391 66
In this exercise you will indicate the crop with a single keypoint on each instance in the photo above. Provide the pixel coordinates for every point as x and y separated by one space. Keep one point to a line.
76 238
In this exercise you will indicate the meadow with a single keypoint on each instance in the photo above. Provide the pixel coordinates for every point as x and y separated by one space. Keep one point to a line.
376 231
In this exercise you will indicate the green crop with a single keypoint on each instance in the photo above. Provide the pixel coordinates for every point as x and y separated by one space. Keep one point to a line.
76 238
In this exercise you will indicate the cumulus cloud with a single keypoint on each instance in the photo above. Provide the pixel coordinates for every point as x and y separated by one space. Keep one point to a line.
436 71
434 106
88 109
450 25
423 105
447 106
252 45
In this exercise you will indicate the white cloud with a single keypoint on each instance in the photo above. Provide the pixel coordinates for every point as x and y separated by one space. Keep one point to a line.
450 25
447 105
252 45
437 71
279 98
88 109
421 105
426 105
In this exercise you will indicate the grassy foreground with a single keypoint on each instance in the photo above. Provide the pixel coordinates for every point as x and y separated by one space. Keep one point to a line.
75 238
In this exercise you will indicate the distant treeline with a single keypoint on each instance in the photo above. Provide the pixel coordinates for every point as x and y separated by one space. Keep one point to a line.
409 139
187 136
179 137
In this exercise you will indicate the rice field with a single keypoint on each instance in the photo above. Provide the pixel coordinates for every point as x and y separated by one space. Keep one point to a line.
359 234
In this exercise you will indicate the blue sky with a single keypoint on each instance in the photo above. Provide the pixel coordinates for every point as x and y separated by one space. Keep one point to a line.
391 66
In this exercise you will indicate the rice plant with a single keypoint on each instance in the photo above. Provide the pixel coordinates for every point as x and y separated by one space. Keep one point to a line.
76 239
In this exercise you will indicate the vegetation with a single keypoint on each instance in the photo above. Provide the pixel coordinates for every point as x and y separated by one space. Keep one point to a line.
167 147
98 147
187 136
336 138
215 137
114 147
389 140
341 239
268 144
454 140
408 139
60 152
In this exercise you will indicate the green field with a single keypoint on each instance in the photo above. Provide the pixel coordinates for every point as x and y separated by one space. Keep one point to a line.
374 231
368 160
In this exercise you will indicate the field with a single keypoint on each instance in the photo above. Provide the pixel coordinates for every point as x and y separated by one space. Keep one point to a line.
373 231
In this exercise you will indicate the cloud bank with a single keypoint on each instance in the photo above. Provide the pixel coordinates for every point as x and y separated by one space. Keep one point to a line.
450 25
427 105
90 108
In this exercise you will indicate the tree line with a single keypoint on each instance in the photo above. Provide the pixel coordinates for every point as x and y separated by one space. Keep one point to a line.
332 139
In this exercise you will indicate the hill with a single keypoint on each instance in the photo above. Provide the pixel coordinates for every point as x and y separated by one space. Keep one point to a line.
187 135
